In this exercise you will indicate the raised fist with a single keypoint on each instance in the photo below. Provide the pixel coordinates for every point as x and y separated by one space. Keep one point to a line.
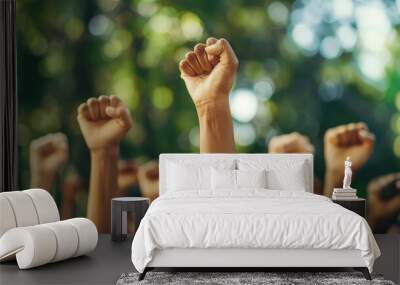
209 71
104 121
384 202
352 140
127 176
149 180
48 155
290 143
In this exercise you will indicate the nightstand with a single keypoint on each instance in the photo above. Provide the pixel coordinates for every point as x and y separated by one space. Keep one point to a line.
119 210
358 206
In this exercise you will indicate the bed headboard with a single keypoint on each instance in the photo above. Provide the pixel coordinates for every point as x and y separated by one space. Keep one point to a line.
165 157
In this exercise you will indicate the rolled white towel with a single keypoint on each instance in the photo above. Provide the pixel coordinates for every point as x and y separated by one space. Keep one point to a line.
23 208
45 205
7 218
40 244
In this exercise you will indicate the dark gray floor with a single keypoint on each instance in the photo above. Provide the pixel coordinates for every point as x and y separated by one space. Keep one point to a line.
103 266
111 259
389 263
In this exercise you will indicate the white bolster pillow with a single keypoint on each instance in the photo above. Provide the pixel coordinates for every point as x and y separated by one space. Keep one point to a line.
26 208
45 205
66 239
32 246
7 219
23 208
40 244
87 235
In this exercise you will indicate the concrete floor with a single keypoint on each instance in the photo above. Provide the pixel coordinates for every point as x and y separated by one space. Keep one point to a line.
111 259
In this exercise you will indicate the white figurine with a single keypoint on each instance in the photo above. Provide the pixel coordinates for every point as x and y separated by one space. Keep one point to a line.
347 174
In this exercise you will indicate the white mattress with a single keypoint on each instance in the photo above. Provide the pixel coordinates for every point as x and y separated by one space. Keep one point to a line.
258 219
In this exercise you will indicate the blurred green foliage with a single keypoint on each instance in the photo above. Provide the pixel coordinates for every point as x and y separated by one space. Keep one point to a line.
289 54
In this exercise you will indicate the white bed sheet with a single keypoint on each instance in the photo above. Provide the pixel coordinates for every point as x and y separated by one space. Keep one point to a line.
252 218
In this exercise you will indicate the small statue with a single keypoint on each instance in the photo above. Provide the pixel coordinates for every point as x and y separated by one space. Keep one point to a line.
347 174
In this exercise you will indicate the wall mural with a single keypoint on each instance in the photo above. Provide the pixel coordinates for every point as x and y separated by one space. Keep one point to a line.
314 76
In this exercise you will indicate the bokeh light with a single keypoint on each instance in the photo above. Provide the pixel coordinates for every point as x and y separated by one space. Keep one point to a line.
304 36
278 12
330 91
74 28
192 27
342 9
194 136
161 23
264 88
372 65
245 134
347 37
336 25
243 105
330 48
162 98
99 25
147 8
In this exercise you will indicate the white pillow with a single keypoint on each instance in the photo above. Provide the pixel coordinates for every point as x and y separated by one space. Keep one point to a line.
181 178
251 178
223 179
226 179
293 180
281 174
188 175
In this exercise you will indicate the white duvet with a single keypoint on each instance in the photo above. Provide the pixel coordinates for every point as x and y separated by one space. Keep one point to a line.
250 219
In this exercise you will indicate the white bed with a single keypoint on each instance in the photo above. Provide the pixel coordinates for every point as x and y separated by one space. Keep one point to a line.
196 223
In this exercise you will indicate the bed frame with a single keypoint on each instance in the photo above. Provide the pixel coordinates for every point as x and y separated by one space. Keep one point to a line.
242 259
246 258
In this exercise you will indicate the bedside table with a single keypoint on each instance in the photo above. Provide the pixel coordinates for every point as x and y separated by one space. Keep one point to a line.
119 215
358 206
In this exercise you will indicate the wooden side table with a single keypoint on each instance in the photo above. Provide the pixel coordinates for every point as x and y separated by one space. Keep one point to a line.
358 206
119 215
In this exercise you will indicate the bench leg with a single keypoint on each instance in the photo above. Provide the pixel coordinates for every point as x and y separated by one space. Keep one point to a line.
364 271
143 274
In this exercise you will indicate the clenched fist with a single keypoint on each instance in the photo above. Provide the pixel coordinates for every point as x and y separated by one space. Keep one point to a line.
48 155
352 140
104 121
209 71
383 202
290 143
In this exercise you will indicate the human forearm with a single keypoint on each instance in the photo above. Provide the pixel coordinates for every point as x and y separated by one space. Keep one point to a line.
41 180
332 179
103 181
104 122
67 210
216 129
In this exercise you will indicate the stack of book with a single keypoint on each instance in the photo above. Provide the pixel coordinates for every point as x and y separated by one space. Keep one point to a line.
344 194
